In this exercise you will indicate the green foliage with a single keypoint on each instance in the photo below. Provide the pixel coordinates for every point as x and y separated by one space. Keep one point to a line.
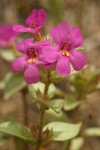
94 131
85 82
77 143
7 55
17 130
3 82
56 105
53 116
70 103
34 89
14 84
63 131
2 85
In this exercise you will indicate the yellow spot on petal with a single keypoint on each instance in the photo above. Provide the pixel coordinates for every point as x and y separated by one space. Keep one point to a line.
31 60
65 53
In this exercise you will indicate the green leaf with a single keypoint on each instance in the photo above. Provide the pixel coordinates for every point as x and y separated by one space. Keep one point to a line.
63 131
7 55
51 116
40 86
94 131
70 103
3 82
2 85
77 143
56 105
14 84
80 48
17 130
73 72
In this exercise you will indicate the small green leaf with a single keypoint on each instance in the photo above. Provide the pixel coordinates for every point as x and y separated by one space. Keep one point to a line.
77 143
73 72
80 48
94 131
56 105
40 86
17 130
3 82
70 103
51 116
14 84
7 55
2 85
63 131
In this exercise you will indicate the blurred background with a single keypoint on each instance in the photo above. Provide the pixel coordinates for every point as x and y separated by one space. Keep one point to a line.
82 13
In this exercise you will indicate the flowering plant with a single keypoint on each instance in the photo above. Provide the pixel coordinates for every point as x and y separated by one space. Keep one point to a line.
47 60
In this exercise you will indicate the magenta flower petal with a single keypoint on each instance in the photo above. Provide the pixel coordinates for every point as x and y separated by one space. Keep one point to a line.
76 37
41 17
45 43
19 64
24 45
63 66
78 60
4 43
20 28
31 74
50 54
7 35
36 18
31 18
60 33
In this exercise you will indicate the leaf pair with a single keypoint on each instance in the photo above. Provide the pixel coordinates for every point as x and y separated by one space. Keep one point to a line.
61 130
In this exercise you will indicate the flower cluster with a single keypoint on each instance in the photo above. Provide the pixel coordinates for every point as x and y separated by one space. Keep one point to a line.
38 52
7 35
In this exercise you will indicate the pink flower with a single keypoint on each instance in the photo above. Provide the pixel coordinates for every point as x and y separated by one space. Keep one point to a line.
7 35
34 22
66 39
31 59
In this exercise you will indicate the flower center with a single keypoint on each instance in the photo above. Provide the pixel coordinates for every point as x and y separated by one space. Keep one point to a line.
32 60
32 57
34 25
65 46
65 53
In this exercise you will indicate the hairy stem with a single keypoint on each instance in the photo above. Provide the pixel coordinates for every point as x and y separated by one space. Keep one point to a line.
42 114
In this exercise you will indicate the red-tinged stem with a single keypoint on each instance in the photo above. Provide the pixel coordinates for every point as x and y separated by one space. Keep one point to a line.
42 114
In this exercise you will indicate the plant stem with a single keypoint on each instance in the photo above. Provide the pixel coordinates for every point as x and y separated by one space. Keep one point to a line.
42 114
